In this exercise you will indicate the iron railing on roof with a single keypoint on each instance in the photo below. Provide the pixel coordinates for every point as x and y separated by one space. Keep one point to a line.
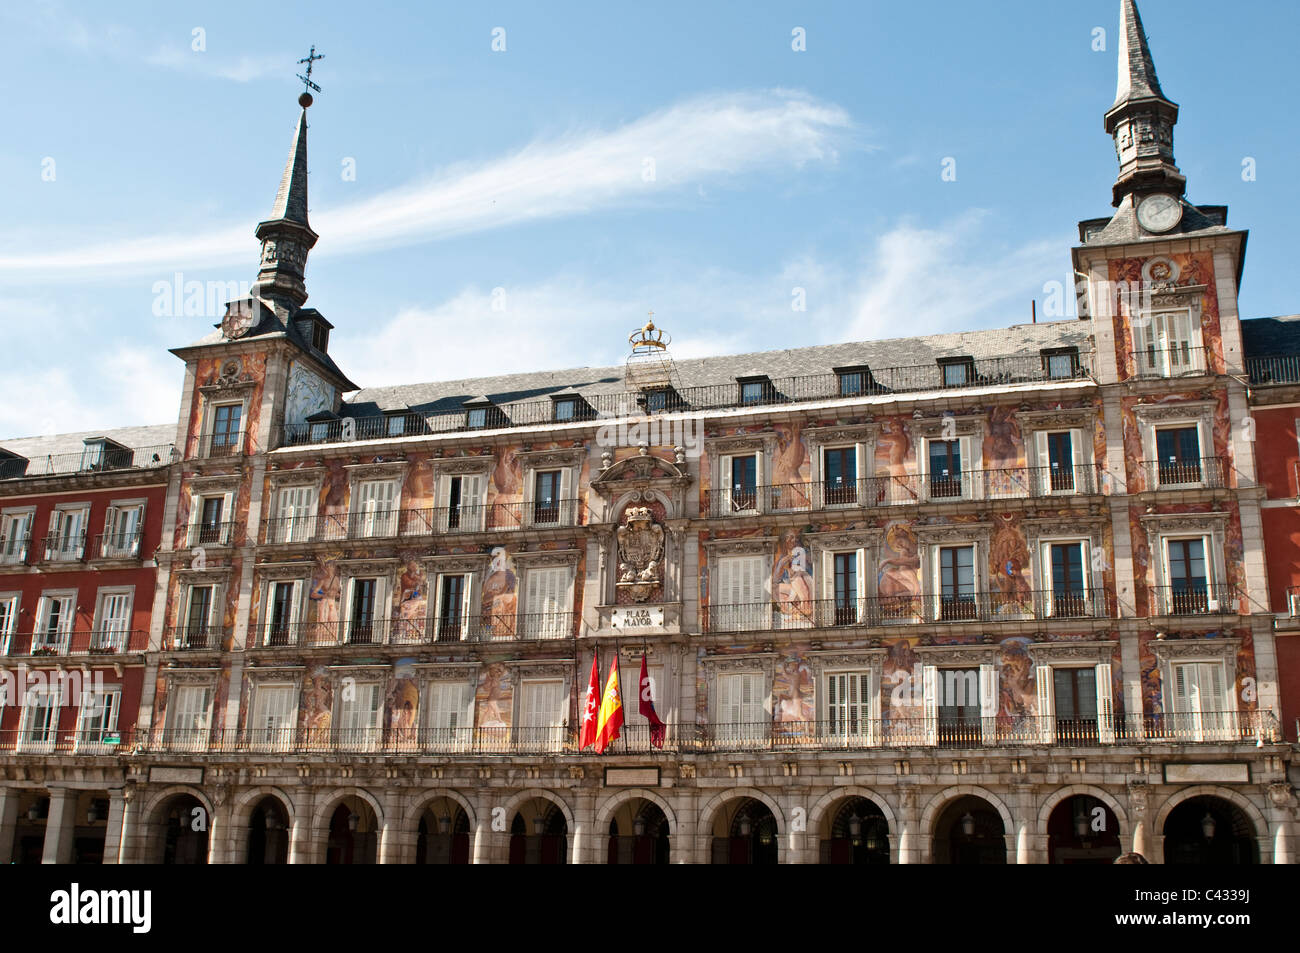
110 459
1274 369
978 372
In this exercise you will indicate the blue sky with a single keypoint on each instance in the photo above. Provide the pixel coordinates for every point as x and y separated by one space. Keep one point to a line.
502 216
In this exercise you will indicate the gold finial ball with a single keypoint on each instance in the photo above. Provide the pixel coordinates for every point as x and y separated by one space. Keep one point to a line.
305 100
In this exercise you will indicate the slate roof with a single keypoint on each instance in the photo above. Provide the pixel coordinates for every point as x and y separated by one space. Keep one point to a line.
1122 228
1137 71
59 453
1023 339
1271 337
291 199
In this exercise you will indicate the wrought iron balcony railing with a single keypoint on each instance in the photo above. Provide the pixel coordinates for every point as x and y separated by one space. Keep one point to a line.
49 740
1274 369
1194 598
211 534
217 445
1182 474
427 521
109 640
108 459
63 547
844 731
486 627
115 546
1183 361
980 372
992 606
908 488
194 638
14 550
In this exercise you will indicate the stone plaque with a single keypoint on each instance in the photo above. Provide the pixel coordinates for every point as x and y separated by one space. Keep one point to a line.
627 618
175 775
631 777
1230 773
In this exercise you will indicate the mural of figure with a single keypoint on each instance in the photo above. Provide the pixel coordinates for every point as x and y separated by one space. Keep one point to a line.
792 583
789 463
1017 684
901 675
792 691
494 697
898 578
317 716
500 595
403 701
893 446
414 600
327 588
1008 557
507 478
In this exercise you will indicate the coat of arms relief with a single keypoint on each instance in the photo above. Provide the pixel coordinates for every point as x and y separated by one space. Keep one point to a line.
640 553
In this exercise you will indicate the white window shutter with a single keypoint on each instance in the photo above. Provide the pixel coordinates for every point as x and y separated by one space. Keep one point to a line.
861 567
871 706
970 477
724 482
1105 705
442 502
930 703
990 702
567 507
1044 462
1046 705
472 510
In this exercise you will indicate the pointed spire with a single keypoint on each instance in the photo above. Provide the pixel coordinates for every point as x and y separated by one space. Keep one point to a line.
1142 119
1137 71
286 236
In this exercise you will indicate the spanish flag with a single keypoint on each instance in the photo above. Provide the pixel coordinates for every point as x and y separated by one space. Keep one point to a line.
610 719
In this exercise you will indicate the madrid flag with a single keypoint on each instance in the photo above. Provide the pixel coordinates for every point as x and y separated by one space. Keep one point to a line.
587 734
610 719
657 728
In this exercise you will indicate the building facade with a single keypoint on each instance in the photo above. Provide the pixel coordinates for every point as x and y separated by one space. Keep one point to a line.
989 597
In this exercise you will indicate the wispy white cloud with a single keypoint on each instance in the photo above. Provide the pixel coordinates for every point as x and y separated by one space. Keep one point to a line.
708 139
241 69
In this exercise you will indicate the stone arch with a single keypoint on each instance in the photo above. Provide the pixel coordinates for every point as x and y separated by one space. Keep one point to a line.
412 819
853 790
1056 797
512 806
320 820
166 794
731 794
1235 798
151 851
242 808
941 800
616 801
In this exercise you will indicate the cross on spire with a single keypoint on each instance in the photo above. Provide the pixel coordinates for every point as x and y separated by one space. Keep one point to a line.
310 59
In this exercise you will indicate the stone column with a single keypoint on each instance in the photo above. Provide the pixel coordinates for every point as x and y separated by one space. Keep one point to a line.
300 833
682 847
60 825
113 827
482 848
1137 810
129 848
584 818
393 840
219 824
911 845
1281 806
8 821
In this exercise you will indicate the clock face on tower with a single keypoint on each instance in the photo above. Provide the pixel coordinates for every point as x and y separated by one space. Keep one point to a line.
1159 213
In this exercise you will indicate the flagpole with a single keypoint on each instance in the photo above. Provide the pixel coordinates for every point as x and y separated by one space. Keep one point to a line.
618 664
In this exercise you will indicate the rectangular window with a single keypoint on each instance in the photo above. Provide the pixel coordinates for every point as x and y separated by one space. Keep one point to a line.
15 535
1189 590
957 582
282 613
67 539
1163 345
55 615
198 618
945 469
97 717
189 716
1068 597
295 514
960 723
113 623
476 418
546 498
542 715
1060 461
1178 455
40 721
547 604
460 504
848 705
1201 702
453 605
375 514
841 472
1061 365
361 617
566 409
360 716
274 717
742 715
1075 694
449 717
396 425
744 482
122 526
739 598
846 588
210 529
854 381
753 392
958 373
227 420
8 620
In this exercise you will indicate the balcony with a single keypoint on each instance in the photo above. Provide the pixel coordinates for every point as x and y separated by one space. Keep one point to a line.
1206 472
905 610
1184 361
63 548
881 381
833 735
105 460
115 546
542 626
194 638
907 489
113 640
218 445
210 534
1194 599
14 550
1274 370
428 521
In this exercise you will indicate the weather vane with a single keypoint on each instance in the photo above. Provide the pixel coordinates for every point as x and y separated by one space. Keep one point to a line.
309 59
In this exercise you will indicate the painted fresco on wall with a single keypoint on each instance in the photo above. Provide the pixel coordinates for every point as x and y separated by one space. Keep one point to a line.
793 698
318 705
402 703
792 582
790 460
1009 565
412 595
1195 268
494 696
898 571
500 587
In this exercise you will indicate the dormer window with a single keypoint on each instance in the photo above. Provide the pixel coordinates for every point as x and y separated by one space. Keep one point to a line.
755 390
957 371
855 380
1061 363
100 453
314 329
570 406
395 424
660 399
477 418
566 408
481 413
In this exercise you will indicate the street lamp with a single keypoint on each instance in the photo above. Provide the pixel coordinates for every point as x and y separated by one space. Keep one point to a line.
92 813
1208 826
353 820
638 826
746 828
968 824
855 828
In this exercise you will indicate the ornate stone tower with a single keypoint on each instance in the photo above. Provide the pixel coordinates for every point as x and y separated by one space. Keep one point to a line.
286 236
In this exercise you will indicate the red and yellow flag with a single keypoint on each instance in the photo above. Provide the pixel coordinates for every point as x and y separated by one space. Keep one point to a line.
610 719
